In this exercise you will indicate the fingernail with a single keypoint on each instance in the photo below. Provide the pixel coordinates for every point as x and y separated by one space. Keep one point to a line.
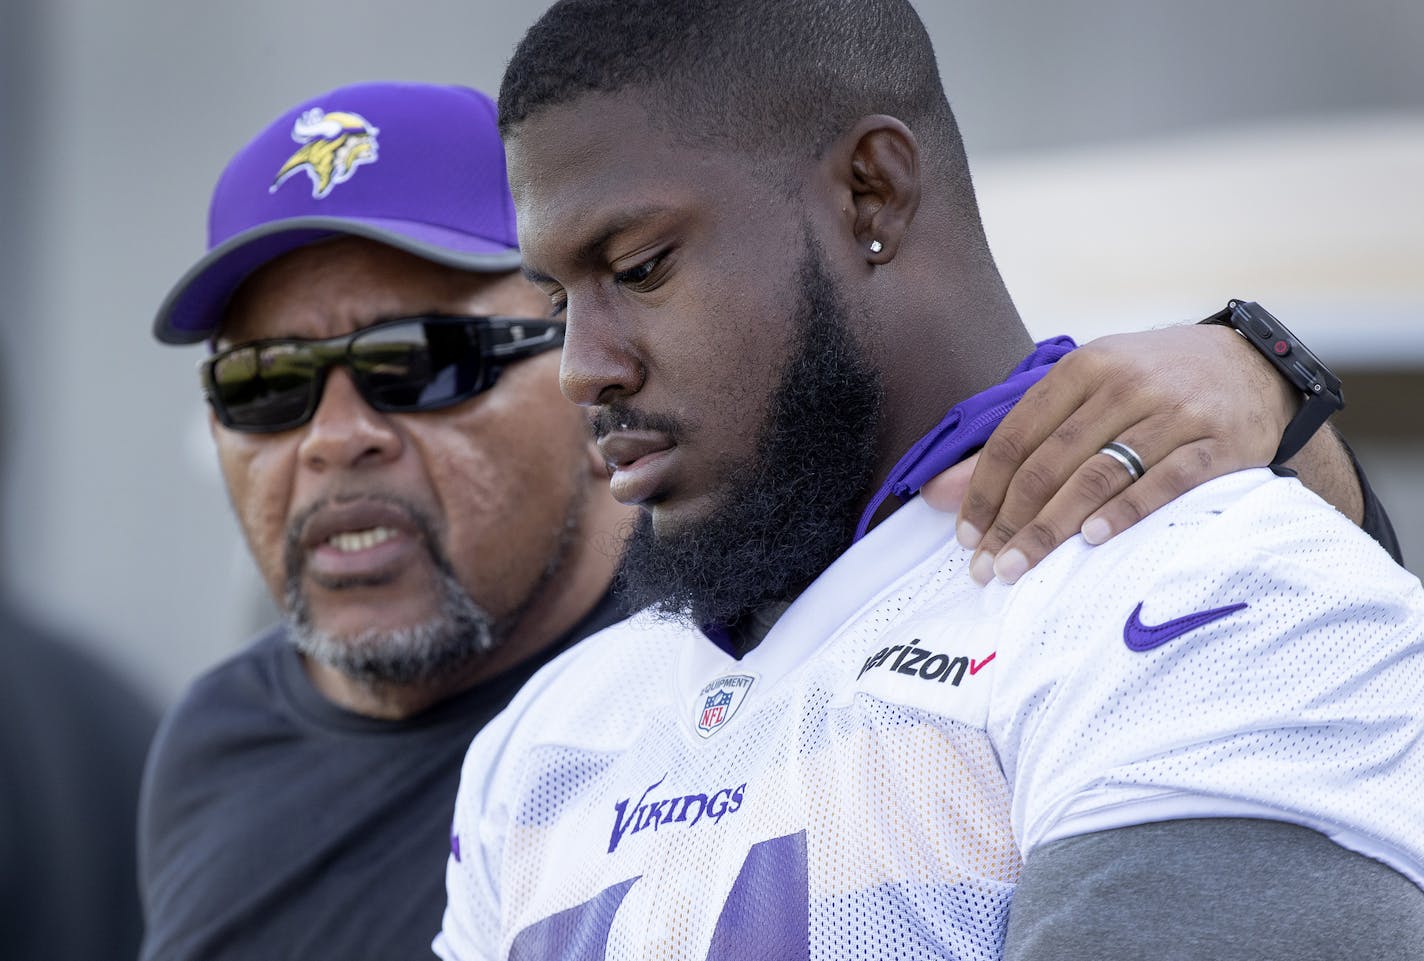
1010 565
981 569
1096 531
968 535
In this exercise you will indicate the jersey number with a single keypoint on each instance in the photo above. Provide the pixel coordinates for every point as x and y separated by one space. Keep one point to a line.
766 917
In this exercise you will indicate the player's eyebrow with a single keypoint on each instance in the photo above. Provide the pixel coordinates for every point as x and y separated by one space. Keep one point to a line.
593 249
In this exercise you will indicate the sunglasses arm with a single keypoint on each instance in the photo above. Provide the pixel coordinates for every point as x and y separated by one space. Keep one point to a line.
522 344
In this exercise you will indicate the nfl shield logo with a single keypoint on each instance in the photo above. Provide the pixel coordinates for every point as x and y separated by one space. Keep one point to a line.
719 700
714 712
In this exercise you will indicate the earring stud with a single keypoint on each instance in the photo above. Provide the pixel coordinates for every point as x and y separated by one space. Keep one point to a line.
876 246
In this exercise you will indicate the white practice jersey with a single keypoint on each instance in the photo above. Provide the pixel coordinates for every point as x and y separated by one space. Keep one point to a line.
868 781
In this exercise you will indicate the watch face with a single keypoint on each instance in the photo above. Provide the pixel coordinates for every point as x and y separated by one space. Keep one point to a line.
1296 363
1292 358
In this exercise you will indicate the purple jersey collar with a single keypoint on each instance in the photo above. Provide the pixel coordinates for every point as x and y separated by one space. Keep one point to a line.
963 430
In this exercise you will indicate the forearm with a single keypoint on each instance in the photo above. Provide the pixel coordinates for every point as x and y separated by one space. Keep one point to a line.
1328 467
1325 466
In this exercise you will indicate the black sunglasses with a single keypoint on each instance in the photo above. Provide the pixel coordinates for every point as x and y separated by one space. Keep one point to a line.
399 366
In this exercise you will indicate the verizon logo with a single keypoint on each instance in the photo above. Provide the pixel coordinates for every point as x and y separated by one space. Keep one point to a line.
925 664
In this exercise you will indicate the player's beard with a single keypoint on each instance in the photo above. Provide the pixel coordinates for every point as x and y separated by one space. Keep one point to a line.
458 634
791 507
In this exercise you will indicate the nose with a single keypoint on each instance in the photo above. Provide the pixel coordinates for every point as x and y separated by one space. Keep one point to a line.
598 364
345 431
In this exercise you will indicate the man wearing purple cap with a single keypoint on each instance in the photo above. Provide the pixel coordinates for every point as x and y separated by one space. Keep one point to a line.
430 512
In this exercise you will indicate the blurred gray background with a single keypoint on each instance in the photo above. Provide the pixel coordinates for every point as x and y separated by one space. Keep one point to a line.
1139 163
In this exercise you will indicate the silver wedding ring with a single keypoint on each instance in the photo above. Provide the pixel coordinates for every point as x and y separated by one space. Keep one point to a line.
1127 457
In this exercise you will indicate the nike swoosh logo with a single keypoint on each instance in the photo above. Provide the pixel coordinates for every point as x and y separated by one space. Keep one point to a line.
1144 637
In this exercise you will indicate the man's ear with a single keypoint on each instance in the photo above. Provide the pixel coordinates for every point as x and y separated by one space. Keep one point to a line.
878 161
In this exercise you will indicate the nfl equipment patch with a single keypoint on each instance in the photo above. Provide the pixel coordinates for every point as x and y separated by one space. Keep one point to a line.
718 701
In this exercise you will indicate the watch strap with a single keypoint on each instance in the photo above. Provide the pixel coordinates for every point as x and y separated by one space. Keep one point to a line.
1295 362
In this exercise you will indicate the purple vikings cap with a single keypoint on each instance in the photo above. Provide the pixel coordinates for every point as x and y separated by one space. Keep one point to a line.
416 166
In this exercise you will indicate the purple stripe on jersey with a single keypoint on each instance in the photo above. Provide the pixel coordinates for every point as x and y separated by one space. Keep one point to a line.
577 934
965 428
767 912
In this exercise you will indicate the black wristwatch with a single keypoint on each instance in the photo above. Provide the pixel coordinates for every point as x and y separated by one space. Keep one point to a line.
1295 362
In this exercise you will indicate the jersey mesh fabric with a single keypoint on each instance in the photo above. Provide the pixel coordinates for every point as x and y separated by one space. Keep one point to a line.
868 785
874 792
1302 706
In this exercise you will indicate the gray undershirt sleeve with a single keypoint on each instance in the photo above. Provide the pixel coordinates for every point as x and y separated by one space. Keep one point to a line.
1214 890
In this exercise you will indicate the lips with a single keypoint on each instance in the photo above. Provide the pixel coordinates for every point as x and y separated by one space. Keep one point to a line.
641 461
362 541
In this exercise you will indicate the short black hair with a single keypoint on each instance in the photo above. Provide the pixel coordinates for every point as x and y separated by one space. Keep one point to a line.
764 77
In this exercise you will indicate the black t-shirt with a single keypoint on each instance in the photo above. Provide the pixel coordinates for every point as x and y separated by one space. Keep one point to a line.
275 824
72 741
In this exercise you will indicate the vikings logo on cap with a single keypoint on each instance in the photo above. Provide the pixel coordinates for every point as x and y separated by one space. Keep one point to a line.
333 146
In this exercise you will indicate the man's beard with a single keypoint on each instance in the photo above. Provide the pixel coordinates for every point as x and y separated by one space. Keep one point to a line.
459 634
789 510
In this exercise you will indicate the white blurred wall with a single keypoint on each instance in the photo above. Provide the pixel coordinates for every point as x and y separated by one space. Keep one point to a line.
1114 143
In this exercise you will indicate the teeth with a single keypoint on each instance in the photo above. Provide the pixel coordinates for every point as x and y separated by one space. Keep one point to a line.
348 541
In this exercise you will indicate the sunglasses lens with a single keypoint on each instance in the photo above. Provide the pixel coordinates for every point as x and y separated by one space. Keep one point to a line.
401 366
265 387
420 365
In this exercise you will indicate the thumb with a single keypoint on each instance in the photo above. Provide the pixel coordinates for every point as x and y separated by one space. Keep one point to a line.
945 491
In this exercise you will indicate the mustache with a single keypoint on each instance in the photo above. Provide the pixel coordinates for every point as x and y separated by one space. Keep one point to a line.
295 555
616 417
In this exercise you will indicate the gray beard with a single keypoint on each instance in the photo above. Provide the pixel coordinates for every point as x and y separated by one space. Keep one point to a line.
460 633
